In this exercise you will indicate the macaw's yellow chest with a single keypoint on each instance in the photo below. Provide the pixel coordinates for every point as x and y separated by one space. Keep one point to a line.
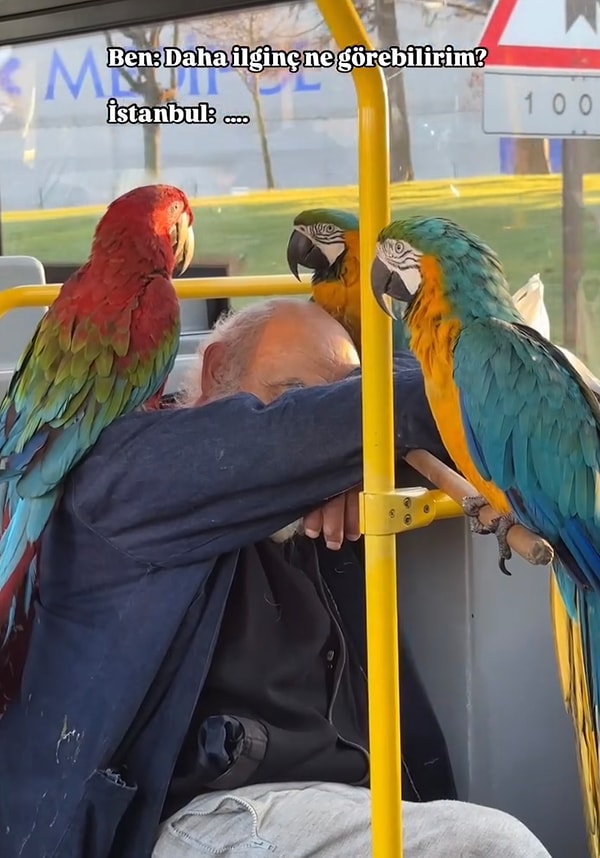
333 296
434 332
341 297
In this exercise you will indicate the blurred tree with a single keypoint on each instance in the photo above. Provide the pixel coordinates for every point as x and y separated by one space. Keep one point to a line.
385 22
146 82
380 19
255 28
590 150
532 154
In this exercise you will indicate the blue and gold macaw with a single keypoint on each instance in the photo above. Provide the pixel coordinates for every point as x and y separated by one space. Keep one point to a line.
523 427
327 242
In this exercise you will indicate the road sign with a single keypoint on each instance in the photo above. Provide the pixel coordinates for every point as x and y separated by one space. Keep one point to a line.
542 70
543 34
527 104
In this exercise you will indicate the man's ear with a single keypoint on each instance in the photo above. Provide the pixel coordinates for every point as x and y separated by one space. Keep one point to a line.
211 363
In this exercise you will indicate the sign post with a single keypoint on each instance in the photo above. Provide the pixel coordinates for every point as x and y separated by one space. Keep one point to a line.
573 236
542 79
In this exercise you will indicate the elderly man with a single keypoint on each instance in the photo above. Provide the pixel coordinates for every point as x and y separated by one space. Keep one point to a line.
192 686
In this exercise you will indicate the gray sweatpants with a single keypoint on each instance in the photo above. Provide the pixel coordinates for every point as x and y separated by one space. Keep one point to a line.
324 820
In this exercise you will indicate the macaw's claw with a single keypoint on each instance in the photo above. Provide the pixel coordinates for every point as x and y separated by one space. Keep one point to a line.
501 526
472 506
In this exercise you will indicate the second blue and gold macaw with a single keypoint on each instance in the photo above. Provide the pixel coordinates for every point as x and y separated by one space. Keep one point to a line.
327 242
523 427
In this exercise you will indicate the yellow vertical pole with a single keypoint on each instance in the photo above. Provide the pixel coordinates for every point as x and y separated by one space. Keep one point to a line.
378 433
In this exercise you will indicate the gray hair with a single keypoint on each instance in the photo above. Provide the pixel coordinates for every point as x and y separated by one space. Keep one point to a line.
239 331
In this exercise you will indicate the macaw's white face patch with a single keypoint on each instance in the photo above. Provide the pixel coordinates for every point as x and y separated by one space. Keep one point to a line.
328 237
403 259
411 277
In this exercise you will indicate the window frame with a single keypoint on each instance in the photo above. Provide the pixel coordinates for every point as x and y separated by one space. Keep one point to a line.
23 21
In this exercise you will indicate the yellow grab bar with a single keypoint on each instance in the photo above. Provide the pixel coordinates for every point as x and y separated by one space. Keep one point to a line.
347 29
187 289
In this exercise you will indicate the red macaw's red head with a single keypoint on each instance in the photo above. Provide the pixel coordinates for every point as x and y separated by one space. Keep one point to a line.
154 222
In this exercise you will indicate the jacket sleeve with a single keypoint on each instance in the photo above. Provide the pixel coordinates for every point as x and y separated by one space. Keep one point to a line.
191 483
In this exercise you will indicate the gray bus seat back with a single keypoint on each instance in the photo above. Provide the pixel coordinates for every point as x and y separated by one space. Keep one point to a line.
17 326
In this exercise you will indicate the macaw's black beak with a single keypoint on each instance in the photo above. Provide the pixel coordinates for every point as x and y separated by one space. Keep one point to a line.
387 286
302 251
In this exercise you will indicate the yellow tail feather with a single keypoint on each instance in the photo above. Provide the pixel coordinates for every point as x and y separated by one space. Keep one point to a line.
571 668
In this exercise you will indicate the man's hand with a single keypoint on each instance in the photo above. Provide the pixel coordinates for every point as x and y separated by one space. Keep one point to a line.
337 520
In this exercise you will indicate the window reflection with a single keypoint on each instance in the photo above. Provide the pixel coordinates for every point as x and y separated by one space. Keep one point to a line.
58 153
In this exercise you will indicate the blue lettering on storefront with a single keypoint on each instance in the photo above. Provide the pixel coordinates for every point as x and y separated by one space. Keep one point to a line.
7 70
84 78
74 82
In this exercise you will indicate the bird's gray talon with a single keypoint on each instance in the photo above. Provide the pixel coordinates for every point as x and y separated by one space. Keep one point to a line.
472 506
477 526
501 526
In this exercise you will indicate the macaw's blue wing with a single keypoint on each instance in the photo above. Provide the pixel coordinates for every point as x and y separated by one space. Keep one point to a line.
532 427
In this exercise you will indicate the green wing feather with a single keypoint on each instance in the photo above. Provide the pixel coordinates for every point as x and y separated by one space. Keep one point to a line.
74 379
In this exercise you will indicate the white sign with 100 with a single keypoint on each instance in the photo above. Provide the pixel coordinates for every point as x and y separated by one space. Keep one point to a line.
541 104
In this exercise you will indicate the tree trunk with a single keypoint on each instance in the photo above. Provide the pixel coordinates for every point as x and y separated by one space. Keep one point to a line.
401 168
573 219
532 156
262 131
590 153
146 84
152 152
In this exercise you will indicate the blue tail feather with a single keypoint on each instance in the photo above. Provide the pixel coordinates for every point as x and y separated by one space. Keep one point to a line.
29 585
28 520
10 621
26 525
13 464
567 587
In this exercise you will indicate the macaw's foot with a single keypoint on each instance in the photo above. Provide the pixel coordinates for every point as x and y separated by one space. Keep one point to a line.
471 508
500 526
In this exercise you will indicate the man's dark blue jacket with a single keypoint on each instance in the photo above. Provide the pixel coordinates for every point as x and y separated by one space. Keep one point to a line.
135 570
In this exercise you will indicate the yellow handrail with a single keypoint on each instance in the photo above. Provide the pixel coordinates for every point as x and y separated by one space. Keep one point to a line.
187 289
378 445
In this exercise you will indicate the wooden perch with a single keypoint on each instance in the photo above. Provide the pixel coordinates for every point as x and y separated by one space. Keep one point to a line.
531 547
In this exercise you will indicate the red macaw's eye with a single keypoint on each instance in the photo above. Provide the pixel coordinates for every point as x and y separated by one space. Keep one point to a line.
175 209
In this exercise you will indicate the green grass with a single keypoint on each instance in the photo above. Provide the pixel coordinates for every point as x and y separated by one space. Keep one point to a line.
519 216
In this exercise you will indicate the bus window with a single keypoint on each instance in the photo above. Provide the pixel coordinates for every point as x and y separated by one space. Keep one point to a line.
283 140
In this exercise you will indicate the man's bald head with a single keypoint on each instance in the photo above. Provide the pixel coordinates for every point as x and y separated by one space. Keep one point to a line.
272 346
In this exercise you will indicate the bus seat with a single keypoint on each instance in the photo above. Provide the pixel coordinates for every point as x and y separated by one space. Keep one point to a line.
483 645
17 327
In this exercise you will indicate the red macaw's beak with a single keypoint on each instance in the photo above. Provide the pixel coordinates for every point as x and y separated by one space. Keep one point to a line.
183 242
302 251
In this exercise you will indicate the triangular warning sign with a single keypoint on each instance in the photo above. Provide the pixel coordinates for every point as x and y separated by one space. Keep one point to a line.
543 34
